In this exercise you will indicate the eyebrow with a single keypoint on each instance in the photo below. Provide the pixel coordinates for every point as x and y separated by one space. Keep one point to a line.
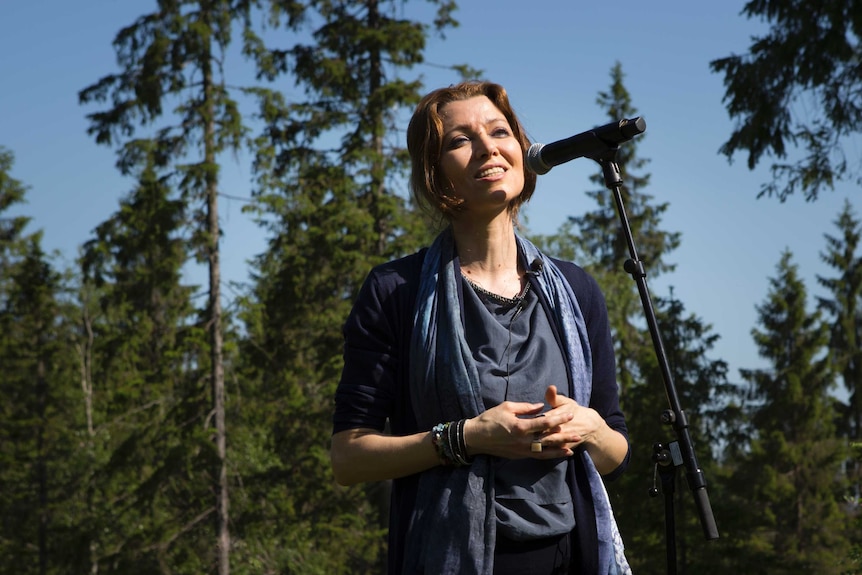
465 127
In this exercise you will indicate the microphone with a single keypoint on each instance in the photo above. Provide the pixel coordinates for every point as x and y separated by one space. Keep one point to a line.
536 267
590 144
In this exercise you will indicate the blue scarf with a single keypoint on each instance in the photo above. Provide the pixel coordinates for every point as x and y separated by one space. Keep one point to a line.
453 528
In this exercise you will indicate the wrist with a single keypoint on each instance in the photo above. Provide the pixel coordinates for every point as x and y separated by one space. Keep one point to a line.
469 438
450 444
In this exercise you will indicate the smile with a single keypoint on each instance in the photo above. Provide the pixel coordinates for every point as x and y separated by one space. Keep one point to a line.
490 172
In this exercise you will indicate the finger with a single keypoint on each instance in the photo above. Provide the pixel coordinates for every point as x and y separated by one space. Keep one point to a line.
526 408
540 450
551 395
550 422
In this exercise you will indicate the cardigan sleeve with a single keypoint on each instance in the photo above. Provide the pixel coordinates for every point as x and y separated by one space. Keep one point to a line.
371 391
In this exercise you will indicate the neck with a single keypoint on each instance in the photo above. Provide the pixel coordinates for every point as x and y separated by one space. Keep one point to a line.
490 247
489 255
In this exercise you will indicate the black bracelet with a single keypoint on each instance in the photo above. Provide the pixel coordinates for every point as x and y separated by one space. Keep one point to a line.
448 441
464 443
460 445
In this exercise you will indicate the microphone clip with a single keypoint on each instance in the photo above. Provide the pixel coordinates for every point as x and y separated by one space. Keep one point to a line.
536 267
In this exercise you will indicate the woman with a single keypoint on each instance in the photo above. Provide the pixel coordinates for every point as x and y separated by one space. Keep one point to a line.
492 365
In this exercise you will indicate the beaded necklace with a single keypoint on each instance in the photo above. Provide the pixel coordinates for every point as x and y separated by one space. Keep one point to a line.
502 300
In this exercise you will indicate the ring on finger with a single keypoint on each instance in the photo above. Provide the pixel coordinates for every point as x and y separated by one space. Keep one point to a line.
536 445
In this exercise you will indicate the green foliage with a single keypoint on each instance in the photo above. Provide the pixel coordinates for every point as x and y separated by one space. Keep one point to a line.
845 346
797 88
37 431
600 232
845 310
108 458
329 173
173 57
703 392
12 192
145 391
596 240
789 478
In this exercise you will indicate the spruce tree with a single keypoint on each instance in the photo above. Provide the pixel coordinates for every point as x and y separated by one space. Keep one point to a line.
844 307
787 483
172 80
601 239
334 204
701 384
37 423
596 241
143 349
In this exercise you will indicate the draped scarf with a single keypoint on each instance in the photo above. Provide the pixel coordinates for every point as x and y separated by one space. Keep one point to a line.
453 527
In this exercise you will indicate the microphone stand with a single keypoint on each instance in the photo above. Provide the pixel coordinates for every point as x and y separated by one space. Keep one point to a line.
681 452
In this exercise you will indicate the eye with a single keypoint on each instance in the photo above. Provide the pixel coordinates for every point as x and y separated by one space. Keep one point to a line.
457 142
502 132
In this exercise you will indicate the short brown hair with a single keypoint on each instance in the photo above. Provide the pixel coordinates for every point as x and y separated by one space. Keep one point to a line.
425 144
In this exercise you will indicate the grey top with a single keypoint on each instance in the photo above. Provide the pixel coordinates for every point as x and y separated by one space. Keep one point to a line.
518 357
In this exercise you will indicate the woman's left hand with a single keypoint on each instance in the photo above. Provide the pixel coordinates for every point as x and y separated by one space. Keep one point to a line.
585 422
606 446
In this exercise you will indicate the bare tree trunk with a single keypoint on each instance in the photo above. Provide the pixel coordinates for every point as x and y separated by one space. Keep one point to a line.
378 169
85 351
215 325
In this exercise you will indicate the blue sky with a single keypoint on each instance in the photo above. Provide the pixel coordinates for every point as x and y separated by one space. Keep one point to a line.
553 56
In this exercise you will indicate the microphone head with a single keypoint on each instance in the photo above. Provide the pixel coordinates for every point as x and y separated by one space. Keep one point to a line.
632 127
534 160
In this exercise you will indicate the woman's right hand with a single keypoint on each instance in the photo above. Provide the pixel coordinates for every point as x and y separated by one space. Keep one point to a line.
508 430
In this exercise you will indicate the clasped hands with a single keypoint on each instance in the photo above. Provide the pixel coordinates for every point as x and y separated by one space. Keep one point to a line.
508 429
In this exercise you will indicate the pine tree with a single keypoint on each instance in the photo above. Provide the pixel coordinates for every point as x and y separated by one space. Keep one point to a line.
174 57
787 483
333 204
844 309
701 384
37 426
141 350
601 239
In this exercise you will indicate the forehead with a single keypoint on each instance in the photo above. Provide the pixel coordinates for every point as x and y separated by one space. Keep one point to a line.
475 111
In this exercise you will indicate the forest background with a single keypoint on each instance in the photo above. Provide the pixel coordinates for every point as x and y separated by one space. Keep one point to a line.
166 394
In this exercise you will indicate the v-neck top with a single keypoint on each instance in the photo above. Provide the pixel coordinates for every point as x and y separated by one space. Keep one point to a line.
518 357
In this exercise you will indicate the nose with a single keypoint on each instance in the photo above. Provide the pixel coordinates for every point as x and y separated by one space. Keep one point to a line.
486 146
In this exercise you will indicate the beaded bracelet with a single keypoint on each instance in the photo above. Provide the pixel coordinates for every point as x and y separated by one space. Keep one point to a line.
439 436
449 443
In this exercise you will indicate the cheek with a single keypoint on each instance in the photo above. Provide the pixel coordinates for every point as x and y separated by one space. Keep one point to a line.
520 179
517 163
516 155
450 170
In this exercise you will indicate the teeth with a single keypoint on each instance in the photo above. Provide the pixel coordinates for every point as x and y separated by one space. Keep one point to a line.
490 171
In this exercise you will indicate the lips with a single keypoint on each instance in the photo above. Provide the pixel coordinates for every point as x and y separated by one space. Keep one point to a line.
492 171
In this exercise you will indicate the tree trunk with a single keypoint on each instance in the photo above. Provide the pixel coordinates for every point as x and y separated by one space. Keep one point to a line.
85 351
216 359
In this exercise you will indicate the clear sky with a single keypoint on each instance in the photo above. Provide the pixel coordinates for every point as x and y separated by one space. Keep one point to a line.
554 56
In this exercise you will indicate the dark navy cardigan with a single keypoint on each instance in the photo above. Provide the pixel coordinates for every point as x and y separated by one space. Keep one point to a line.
373 390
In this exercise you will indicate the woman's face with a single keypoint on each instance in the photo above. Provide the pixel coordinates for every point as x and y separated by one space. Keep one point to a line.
481 158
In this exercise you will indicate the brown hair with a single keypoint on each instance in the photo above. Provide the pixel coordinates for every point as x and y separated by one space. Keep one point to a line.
425 144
